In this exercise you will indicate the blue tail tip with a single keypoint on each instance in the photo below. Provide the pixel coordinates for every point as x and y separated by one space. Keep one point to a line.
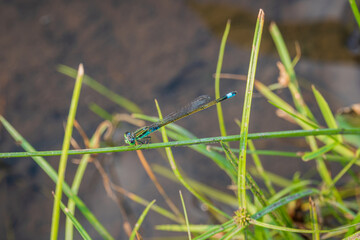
231 94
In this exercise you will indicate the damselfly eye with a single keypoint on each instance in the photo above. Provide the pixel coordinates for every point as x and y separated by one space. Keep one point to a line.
129 138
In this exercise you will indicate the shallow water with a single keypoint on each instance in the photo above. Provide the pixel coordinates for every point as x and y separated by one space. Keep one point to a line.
145 50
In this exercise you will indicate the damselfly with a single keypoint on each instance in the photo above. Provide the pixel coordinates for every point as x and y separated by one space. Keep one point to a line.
196 105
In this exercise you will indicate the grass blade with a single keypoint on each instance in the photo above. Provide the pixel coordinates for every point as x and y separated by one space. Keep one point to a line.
157 184
75 222
64 154
230 224
319 152
289 189
353 236
140 220
355 10
326 112
345 169
260 168
100 111
179 176
184 228
78 178
183 134
296 230
46 167
203 188
217 229
278 217
121 101
217 78
144 202
265 135
185 215
342 150
283 201
246 110
286 60
314 220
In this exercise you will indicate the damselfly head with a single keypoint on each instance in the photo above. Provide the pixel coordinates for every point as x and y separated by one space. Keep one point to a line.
129 138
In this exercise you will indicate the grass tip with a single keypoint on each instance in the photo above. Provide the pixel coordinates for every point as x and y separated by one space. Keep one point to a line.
261 13
81 70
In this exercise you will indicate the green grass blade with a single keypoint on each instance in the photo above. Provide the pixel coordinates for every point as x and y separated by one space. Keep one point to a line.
296 230
342 150
71 203
144 202
342 207
353 236
217 78
179 176
319 152
140 220
46 167
64 154
326 112
183 134
77 180
265 135
355 10
101 112
229 154
217 229
121 101
344 122
184 228
272 97
74 221
251 184
246 109
300 119
216 157
230 235
286 60
283 201
276 179
230 224
331 142
283 52
352 230
314 220
279 218
260 168
185 215
300 104
264 152
289 189
203 188
345 169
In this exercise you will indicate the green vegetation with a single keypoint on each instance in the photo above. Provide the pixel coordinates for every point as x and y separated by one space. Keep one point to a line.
261 213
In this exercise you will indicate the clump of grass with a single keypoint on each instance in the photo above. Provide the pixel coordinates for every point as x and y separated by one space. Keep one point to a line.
261 213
